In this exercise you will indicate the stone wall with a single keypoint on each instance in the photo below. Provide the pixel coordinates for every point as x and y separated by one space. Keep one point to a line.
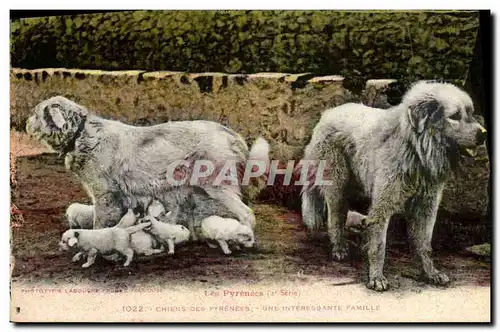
281 107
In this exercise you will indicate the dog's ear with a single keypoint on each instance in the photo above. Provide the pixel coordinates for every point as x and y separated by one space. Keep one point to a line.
53 114
423 113
74 240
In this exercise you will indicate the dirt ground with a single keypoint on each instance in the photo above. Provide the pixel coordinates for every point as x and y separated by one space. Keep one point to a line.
45 189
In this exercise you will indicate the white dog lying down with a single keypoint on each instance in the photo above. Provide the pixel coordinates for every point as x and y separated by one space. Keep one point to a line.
222 230
100 241
80 216
166 233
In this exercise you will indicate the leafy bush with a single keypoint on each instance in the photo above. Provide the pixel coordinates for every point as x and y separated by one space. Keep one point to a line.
353 44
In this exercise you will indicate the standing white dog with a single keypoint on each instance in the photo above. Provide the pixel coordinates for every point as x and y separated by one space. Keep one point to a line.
117 163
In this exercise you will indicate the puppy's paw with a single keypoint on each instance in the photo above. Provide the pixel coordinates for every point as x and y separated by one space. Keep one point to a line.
171 252
211 245
86 265
340 252
227 252
379 284
76 258
438 278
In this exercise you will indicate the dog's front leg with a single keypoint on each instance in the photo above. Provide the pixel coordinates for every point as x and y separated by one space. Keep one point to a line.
224 247
90 258
420 228
77 257
389 200
107 211
171 246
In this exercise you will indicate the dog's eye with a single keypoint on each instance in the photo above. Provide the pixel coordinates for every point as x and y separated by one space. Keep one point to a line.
456 116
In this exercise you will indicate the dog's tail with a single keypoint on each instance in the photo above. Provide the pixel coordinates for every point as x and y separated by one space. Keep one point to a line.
127 220
260 150
313 209
138 227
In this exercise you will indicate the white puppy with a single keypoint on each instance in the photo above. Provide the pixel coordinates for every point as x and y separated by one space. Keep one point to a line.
222 230
80 216
156 209
142 242
103 241
166 233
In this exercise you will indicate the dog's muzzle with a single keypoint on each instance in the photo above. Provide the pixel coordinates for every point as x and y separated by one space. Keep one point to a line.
63 247
481 136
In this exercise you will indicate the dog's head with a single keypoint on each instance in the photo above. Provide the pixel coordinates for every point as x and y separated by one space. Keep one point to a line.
181 234
444 111
147 219
56 121
156 209
245 236
69 240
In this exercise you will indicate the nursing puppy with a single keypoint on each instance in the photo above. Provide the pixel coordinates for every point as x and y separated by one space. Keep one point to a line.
103 241
166 233
400 158
80 216
188 206
141 242
116 162
224 231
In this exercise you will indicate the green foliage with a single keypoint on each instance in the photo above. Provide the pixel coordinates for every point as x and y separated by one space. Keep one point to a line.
353 44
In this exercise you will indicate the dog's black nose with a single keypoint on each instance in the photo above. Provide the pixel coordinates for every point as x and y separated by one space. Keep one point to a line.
481 136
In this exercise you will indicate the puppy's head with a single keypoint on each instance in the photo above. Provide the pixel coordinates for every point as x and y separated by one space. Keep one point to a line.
182 233
147 219
245 236
444 111
69 240
156 209
55 121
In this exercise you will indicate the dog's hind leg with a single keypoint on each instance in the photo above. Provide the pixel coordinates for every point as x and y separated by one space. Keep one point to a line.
337 213
420 228
91 256
335 198
129 254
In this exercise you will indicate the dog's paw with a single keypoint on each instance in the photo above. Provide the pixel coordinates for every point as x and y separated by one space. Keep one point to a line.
170 253
86 265
211 245
76 258
439 278
378 284
340 253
